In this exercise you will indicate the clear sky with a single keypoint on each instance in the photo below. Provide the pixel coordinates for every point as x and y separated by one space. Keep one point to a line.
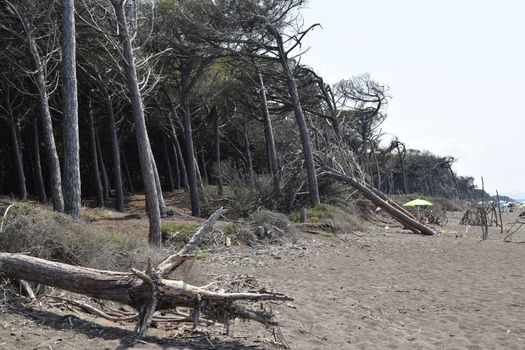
455 68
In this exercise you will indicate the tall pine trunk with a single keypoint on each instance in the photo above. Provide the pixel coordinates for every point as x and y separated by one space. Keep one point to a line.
158 185
176 168
37 168
248 154
146 163
268 132
94 159
70 110
191 164
171 182
217 149
204 169
47 126
300 119
102 168
15 148
115 147
180 158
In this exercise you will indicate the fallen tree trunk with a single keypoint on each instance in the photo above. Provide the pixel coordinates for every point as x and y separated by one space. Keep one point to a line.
146 291
381 201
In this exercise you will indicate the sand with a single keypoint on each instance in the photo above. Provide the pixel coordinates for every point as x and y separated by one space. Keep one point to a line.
381 289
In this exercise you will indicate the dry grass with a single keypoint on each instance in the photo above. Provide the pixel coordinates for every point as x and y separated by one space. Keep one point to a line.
40 232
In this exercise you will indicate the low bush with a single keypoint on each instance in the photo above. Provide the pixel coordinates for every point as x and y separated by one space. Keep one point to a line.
263 226
41 232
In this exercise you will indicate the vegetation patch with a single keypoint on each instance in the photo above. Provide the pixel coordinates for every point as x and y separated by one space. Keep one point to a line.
327 234
176 233
263 226
41 232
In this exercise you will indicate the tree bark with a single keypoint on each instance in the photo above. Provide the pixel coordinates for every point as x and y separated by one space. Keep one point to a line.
180 158
47 124
115 148
102 169
313 187
94 159
70 111
16 148
248 154
204 169
268 129
176 164
146 163
171 182
158 185
37 168
191 165
217 149
128 174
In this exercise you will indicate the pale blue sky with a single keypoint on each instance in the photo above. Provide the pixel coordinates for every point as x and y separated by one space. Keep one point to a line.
455 69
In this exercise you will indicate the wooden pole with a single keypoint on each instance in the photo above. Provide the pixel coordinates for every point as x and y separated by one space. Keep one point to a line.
499 212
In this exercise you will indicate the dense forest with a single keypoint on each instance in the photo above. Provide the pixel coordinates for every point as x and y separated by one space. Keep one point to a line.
99 99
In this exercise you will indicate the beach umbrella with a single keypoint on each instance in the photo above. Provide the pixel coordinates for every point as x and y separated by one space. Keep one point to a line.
522 205
418 203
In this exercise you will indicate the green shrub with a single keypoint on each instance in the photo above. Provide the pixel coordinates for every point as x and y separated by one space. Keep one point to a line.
203 254
178 227
327 234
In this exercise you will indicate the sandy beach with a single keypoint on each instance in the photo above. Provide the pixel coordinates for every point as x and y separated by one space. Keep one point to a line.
379 289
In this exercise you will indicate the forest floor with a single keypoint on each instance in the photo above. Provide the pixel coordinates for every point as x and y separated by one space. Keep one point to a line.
379 288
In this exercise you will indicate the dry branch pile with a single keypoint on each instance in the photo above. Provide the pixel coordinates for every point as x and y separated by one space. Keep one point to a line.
146 291
480 216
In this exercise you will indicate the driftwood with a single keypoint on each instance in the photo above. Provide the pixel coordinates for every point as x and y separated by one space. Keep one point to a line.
146 291
379 199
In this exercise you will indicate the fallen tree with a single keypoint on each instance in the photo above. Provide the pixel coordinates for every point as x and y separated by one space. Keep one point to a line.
146 291
378 198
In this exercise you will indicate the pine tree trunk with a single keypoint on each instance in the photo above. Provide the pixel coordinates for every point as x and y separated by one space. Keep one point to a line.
300 119
102 169
47 125
158 185
171 183
146 163
115 147
176 161
15 148
204 170
217 145
180 158
94 159
70 110
248 154
191 165
268 130
128 174
37 168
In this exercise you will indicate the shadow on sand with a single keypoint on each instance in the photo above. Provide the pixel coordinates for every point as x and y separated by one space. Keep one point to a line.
126 338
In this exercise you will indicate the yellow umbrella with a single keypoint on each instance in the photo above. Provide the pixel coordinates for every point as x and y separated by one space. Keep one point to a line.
418 203
522 206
